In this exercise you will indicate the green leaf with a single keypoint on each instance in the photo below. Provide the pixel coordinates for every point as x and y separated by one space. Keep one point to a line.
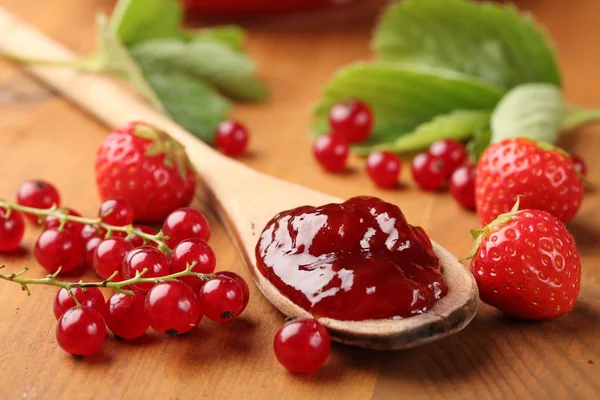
459 125
532 110
489 41
207 60
231 35
481 140
134 21
575 116
191 103
403 97
114 57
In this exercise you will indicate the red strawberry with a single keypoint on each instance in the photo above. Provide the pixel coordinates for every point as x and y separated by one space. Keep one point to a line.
147 168
526 265
543 176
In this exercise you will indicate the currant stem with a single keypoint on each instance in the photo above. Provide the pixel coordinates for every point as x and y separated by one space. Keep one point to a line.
90 64
107 283
63 217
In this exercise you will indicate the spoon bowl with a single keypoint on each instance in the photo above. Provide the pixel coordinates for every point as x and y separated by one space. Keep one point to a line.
244 199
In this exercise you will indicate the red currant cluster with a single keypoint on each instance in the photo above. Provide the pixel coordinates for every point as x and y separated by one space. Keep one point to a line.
162 279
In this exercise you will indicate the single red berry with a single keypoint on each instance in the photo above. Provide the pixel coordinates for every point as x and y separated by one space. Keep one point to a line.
383 168
462 186
90 297
147 168
302 345
89 231
37 194
109 256
55 249
146 257
185 223
116 212
51 222
89 249
231 138
331 152
579 165
526 264
352 119
190 251
173 308
240 281
125 315
428 171
221 298
12 230
543 177
451 152
81 331
137 241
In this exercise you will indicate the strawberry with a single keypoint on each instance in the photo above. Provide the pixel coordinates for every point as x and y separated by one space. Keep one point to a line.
526 265
147 168
543 176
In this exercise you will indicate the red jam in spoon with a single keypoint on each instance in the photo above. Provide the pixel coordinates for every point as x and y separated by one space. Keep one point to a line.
356 260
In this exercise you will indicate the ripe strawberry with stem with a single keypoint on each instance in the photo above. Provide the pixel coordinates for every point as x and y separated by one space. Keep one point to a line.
542 175
146 168
526 264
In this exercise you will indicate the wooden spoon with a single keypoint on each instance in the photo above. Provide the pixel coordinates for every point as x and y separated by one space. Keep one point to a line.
245 199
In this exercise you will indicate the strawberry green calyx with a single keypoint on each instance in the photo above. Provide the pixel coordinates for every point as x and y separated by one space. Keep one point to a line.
545 146
479 235
162 143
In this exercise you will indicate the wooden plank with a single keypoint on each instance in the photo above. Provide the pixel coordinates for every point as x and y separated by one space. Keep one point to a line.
43 136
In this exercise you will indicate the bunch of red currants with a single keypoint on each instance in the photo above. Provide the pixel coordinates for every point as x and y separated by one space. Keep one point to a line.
121 252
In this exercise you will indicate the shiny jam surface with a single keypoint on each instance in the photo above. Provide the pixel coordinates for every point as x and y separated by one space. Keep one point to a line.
356 260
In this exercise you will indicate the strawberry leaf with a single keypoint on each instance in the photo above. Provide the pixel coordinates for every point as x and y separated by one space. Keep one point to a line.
458 125
576 116
532 110
229 71
403 98
492 42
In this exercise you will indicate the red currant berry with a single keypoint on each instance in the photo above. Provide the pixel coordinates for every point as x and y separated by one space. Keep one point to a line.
331 152
55 249
231 138
89 249
89 231
383 168
81 331
146 257
189 251
352 119
125 315
109 256
221 298
242 283
302 345
90 297
52 222
579 165
137 241
451 152
185 223
462 186
37 194
12 230
116 212
173 308
428 171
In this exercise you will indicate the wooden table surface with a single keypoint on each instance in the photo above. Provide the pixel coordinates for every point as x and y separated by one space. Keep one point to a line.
43 136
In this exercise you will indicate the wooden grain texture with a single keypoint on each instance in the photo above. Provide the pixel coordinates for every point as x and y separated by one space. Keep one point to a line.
494 357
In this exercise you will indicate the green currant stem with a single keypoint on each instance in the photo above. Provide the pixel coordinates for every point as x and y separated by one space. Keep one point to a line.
89 64
63 217
107 283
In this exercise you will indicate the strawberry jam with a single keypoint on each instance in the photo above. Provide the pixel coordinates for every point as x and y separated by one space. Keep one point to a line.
356 260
